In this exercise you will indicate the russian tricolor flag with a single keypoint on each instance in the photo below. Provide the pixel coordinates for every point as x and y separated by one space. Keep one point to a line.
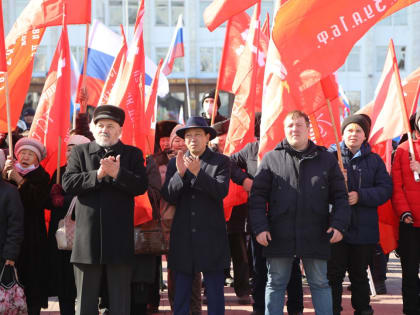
176 49
104 45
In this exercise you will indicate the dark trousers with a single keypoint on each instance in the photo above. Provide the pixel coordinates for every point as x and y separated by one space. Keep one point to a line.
354 259
240 263
214 282
294 287
88 281
379 264
409 250
195 303
66 306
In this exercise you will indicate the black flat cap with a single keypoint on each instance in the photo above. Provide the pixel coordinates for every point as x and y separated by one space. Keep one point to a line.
109 112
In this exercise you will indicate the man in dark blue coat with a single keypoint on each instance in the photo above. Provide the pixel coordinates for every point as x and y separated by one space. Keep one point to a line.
196 183
369 186
298 180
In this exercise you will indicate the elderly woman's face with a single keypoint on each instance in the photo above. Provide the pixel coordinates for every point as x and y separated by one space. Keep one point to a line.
27 158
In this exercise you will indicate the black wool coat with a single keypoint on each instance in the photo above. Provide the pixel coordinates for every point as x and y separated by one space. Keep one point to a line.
298 205
11 222
105 209
32 262
199 240
61 273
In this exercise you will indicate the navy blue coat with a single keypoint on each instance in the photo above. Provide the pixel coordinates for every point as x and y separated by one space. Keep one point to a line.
298 213
198 241
367 175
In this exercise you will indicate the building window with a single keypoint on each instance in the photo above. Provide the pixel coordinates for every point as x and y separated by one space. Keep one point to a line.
40 60
352 63
210 59
116 12
266 7
160 53
167 12
381 52
207 59
397 19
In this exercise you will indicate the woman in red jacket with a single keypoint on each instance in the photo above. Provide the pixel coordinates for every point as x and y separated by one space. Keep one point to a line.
406 203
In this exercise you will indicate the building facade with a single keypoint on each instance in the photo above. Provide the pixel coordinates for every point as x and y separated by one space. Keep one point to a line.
358 76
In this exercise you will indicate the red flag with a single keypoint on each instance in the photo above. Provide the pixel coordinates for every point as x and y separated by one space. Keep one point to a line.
130 97
265 29
327 30
241 127
235 41
43 13
151 109
389 114
22 43
220 11
52 117
3 66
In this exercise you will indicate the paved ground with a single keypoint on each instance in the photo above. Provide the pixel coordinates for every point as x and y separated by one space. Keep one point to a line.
389 304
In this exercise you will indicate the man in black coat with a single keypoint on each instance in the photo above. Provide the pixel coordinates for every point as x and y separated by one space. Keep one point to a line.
105 175
196 183
298 180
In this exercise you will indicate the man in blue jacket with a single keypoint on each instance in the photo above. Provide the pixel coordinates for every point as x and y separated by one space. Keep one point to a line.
298 180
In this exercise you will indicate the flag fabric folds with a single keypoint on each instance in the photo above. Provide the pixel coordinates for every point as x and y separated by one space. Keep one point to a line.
52 117
103 47
324 28
220 11
176 49
43 13
22 43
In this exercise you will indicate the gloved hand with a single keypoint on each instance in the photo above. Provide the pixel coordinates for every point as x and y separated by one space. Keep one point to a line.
56 194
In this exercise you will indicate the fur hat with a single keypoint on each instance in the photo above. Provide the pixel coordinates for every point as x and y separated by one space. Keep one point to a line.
82 126
362 120
164 128
31 144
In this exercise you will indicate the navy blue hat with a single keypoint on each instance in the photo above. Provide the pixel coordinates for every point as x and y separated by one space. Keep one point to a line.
109 112
196 122
28 111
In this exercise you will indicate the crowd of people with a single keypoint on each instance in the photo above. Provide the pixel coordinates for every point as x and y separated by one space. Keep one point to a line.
303 208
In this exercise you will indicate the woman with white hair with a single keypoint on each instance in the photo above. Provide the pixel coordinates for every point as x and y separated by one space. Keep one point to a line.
32 183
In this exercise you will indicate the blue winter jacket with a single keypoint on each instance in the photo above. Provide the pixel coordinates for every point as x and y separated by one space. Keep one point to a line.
366 174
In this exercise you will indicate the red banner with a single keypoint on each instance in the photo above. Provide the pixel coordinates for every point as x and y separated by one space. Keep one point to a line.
220 11
52 117
317 36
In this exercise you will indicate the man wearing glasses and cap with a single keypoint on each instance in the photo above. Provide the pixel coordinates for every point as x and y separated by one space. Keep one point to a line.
196 183
105 175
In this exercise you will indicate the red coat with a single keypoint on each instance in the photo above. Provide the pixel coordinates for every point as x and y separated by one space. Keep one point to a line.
406 191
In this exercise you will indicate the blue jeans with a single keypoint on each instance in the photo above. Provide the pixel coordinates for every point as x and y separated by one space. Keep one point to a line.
279 270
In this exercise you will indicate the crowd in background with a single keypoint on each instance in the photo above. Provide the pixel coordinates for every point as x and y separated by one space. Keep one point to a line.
303 209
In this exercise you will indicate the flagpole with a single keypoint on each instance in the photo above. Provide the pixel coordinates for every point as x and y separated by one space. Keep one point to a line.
187 88
57 180
84 102
9 120
403 109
